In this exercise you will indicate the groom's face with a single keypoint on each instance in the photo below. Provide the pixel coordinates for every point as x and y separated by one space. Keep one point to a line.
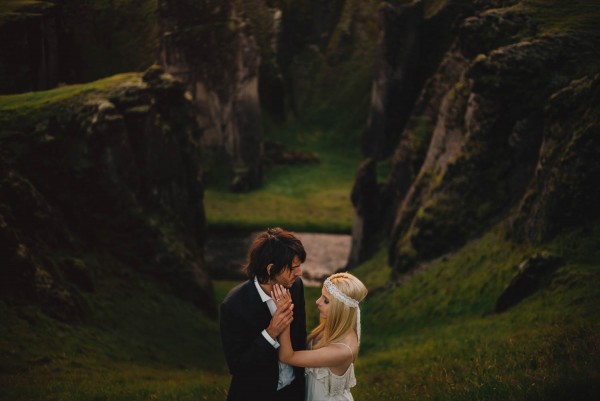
286 277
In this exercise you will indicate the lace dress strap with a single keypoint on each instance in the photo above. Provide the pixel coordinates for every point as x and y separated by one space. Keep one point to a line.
347 346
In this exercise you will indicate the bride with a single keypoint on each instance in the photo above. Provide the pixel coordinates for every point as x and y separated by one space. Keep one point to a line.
333 344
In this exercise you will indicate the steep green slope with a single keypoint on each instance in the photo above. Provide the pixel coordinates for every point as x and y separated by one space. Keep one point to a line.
435 336
139 342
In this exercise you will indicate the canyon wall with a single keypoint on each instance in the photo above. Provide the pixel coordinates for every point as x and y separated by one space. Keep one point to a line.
502 127
50 43
29 49
208 45
97 180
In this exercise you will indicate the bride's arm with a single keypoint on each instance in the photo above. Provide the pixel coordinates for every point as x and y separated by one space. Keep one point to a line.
331 355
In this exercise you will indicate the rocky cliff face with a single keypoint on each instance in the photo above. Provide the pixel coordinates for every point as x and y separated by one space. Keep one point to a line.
503 127
208 45
46 43
95 181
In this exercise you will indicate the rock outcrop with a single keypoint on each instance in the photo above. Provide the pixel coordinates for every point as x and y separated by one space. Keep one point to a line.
366 198
96 180
504 127
564 191
209 46
531 274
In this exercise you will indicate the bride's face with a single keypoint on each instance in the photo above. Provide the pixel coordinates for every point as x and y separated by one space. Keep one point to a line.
323 303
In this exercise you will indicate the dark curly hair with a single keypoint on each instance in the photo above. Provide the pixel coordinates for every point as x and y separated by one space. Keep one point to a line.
275 246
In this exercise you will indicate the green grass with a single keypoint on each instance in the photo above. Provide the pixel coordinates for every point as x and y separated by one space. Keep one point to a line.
21 113
140 341
26 102
557 16
129 381
435 336
313 197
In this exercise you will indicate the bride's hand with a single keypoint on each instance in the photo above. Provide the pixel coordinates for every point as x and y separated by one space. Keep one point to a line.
284 314
281 295
282 298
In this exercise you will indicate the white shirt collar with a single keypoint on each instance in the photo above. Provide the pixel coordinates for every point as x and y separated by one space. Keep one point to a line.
263 295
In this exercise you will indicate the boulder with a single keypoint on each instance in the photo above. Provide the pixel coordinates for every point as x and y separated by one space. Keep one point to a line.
530 277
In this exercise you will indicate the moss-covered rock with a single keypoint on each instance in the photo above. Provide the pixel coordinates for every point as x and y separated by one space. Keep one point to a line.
506 123
366 197
532 273
210 47
493 29
107 168
564 192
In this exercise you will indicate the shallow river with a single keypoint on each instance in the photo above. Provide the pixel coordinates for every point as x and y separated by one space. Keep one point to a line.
325 254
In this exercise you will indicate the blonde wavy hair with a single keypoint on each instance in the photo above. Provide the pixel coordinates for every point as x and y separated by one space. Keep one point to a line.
341 317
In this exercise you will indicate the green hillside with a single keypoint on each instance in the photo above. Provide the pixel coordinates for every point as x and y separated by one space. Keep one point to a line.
433 336
140 342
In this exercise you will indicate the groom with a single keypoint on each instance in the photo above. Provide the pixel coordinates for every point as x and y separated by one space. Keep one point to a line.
251 321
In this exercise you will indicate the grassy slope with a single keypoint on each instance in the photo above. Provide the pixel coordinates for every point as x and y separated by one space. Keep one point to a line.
435 336
143 346
431 337
22 112
140 341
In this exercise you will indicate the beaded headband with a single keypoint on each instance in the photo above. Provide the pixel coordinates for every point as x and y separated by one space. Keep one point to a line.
346 300
333 290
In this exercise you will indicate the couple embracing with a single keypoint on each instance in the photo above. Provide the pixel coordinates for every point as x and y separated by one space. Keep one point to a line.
263 328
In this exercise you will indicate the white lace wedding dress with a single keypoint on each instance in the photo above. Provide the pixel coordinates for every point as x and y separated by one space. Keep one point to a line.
324 385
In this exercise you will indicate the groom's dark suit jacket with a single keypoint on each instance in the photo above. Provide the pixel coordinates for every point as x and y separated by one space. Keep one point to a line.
252 360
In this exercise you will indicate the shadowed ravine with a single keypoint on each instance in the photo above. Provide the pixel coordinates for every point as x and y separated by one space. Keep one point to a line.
457 141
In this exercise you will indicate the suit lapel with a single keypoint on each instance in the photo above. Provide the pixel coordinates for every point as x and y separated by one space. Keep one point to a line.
258 310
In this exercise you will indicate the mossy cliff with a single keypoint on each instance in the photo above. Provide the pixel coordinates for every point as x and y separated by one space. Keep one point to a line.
29 46
96 181
502 126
